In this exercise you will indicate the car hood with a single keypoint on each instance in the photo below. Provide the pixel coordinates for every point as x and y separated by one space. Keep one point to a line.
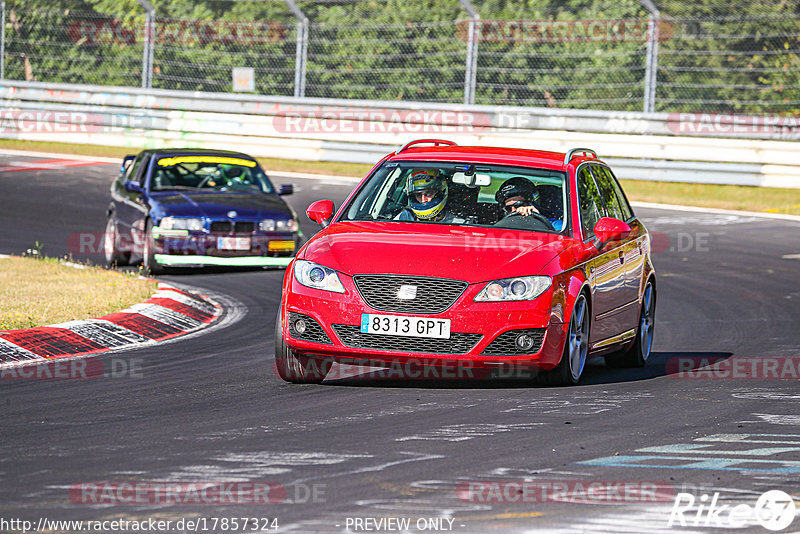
218 204
471 254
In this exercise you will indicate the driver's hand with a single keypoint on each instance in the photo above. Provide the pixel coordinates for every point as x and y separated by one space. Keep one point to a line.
527 210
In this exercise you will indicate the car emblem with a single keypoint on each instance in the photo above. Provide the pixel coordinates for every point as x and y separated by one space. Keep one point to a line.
232 214
407 292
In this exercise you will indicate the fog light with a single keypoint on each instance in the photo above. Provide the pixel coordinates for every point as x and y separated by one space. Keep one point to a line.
300 326
524 342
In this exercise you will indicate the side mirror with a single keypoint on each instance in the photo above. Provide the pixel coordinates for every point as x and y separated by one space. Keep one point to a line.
125 162
133 187
321 212
610 229
286 189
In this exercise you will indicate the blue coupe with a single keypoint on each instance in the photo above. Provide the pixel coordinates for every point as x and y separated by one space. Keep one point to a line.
192 207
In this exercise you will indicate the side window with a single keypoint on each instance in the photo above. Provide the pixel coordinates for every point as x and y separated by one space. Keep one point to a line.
621 198
609 195
139 174
131 170
589 201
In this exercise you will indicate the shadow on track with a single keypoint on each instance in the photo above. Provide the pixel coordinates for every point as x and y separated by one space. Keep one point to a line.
680 365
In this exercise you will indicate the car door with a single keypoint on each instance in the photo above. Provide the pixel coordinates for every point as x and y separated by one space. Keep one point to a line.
617 206
606 269
133 209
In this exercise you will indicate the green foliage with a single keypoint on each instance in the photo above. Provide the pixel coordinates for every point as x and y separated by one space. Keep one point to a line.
560 53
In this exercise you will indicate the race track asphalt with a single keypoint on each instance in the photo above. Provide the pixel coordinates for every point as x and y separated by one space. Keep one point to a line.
209 408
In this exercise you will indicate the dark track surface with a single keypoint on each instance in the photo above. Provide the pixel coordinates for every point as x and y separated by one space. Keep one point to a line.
210 409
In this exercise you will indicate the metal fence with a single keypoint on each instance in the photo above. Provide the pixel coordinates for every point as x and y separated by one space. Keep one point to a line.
626 55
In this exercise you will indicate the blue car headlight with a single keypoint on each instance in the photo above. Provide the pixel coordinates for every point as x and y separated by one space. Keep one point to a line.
278 225
181 223
312 275
519 288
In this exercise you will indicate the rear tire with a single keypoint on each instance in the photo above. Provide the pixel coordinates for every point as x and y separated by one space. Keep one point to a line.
111 245
639 352
295 368
576 347
149 255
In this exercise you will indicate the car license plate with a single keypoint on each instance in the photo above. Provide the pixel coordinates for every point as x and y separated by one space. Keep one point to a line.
233 243
280 246
398 325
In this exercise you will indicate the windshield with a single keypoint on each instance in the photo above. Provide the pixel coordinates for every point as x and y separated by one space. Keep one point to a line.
522 198
209 173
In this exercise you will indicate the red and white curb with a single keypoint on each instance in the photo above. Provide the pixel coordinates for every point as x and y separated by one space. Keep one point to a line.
169 313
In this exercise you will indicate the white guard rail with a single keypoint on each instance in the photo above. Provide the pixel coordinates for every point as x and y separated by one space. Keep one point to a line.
684 147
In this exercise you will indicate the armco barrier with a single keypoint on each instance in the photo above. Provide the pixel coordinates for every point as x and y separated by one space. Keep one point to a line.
756 151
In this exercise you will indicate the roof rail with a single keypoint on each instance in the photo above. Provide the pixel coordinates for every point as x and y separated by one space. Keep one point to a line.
434 142
572 151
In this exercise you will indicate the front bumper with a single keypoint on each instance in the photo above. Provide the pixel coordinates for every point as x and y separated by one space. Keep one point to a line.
232 261
185 249
477 330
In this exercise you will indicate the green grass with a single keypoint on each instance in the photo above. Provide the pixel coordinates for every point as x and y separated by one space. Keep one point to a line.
767 199
38 292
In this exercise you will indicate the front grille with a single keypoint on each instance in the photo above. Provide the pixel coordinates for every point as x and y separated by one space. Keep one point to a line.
244 227
504 344
313 333
433 295
222 227
226 227
458 343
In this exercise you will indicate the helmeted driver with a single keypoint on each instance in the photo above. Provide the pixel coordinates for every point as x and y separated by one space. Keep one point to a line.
517 195
427 198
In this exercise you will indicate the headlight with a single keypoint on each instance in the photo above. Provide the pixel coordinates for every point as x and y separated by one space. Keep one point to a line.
181 223
521 288
280 225
316 276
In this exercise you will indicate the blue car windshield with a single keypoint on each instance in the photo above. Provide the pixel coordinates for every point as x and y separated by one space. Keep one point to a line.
219 173
502 196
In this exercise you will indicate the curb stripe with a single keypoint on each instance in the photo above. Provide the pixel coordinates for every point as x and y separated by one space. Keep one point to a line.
44 165
105 333
10 353
186 299
182 308
143 325
166 316
169 313
52 342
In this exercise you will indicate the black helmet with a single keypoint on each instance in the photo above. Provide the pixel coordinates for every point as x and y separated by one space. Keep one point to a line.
516 187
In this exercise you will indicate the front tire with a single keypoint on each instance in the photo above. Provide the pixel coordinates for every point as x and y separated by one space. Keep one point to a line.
639 352
111 244
296 368
576 347
149 255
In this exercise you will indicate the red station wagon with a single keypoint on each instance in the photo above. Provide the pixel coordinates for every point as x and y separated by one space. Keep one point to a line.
485 258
